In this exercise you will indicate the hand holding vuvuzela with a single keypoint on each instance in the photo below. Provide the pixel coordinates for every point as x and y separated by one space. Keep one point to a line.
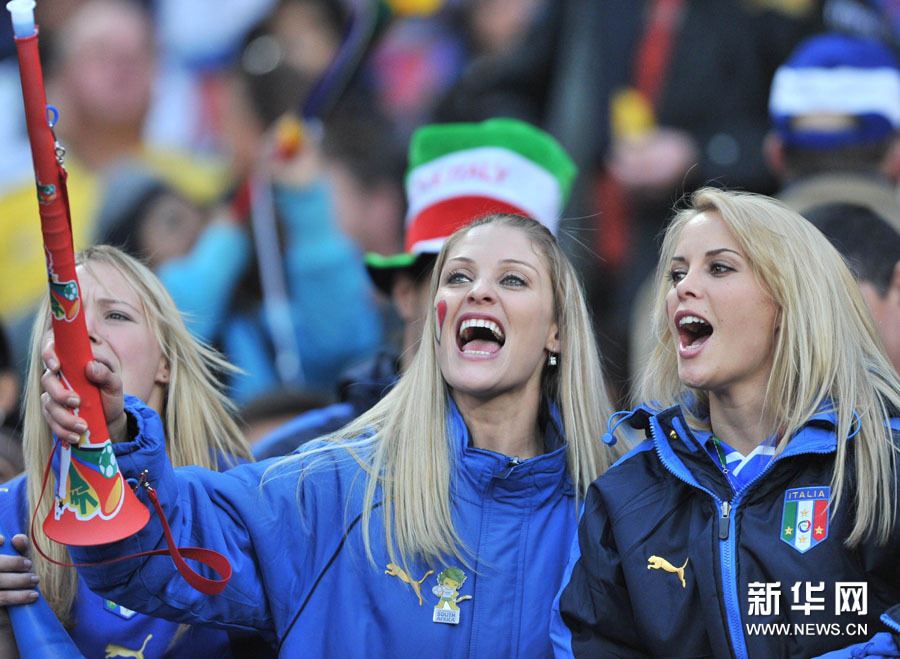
60 404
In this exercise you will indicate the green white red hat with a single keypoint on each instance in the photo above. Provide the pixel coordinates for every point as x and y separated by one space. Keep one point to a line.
460 172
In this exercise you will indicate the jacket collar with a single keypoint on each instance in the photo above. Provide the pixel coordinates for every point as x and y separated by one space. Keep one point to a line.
482 469
815 436
674 439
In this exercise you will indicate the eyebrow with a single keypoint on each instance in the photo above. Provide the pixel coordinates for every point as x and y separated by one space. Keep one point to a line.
712 252
108 301
466 259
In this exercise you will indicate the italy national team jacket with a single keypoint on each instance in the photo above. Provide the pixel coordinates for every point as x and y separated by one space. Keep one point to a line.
301 574
669 561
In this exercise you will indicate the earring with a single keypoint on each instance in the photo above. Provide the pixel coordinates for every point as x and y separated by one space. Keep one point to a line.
551 359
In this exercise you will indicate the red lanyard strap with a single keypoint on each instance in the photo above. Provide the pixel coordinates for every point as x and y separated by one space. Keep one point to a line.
212 559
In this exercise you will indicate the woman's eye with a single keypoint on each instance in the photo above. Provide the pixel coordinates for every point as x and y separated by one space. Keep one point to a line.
719 268
117 315
513 280
456 277
675 276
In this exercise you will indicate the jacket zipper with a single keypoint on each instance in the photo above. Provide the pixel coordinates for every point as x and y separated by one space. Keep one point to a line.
727 548
890 622
724 520
729 580
726 567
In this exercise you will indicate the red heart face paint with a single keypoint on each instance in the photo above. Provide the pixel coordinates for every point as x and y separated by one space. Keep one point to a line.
440 313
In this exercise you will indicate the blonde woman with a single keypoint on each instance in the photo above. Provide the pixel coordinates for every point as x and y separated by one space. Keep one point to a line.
438 522
764 498
138 334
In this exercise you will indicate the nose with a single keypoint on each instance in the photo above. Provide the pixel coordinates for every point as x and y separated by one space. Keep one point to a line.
482 290
91 324
688 286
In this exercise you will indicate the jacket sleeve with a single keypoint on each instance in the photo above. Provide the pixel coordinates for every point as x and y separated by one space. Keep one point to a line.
881 646
336 317
229 512
591 616
218 260
312 424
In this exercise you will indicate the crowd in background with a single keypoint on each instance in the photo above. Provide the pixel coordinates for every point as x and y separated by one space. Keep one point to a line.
179 121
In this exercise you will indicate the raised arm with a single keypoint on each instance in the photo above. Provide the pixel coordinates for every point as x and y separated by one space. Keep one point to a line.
225 512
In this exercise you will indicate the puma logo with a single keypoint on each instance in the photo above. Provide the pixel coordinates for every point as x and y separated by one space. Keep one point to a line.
116 650
395 570
659 563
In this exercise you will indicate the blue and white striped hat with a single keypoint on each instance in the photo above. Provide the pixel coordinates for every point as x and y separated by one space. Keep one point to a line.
836 75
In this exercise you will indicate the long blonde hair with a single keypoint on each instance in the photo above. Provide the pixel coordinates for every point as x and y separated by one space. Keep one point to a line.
408 453
198 417
827 350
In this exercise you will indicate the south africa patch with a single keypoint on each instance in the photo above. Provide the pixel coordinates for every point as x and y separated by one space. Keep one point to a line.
450 581
804 520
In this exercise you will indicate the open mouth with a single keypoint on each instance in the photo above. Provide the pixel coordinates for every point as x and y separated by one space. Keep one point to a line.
694 331
479 336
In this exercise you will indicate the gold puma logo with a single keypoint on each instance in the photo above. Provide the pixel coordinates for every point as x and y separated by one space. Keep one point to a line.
116 650
659 563
395 570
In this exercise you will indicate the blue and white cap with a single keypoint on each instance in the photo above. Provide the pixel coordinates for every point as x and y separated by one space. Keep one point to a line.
836 90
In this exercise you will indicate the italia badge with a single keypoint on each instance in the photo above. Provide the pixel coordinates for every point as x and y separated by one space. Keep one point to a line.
804 522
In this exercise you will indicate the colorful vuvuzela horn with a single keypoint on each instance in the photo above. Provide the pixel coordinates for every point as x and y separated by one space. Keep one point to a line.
93 504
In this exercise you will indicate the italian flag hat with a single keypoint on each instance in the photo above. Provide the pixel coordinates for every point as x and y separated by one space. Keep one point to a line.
460 172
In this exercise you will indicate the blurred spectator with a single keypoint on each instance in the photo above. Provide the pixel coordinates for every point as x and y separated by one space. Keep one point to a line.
197 43
146 217
364 167
11 461
457 173
872 19
412 67
275 70
302 311
212 272
871 247
13 136
456 65
100 77
835 111
497 27
509 61
681 90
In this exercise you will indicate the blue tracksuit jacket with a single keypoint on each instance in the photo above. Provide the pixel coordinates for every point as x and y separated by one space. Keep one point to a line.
301 574
669 561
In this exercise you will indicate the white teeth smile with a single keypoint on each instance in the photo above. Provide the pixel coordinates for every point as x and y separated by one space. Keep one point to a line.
687 320
482 322
694 331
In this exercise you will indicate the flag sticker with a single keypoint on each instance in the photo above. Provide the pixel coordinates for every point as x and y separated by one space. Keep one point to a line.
804 521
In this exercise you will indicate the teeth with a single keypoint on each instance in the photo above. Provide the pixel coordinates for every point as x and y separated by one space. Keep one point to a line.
481 322
687 320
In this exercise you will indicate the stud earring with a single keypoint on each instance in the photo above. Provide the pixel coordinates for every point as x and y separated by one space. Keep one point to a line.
551 359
